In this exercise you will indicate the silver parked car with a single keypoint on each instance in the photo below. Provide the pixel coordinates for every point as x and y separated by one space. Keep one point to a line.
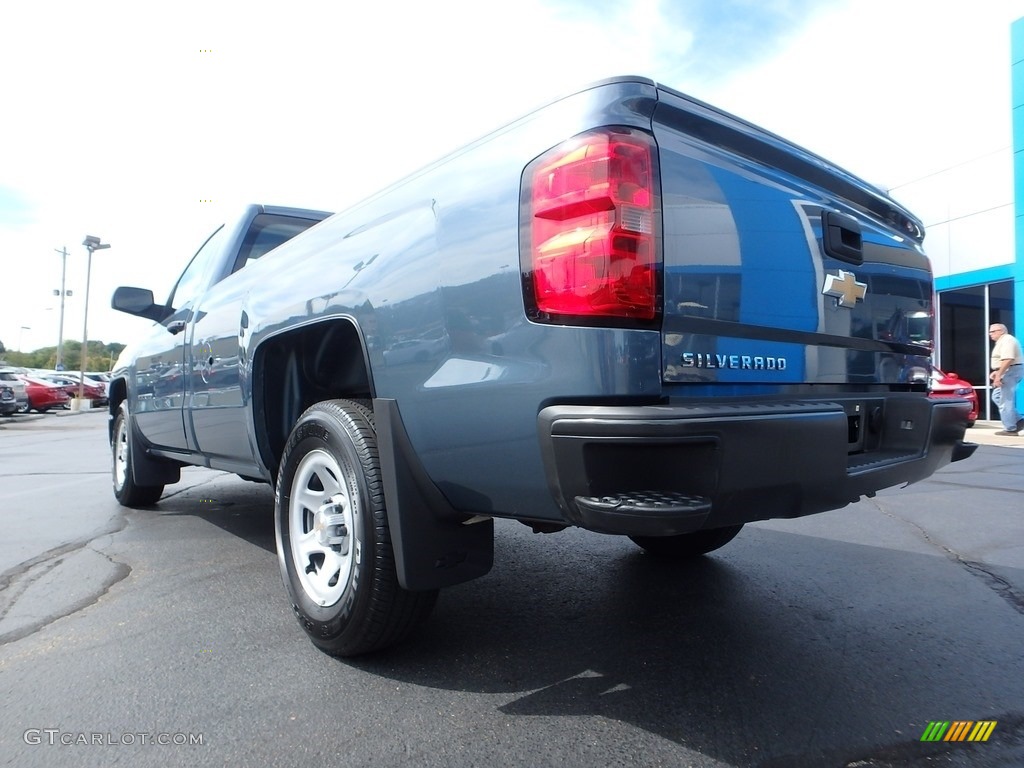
11 377
8 404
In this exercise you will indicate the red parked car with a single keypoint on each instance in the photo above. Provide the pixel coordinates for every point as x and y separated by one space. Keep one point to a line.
43 395
950 385
95 391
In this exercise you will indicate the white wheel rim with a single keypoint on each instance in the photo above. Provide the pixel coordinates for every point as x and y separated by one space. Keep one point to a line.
321 528
121 453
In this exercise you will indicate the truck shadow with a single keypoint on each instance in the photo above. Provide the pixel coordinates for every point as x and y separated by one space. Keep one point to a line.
778 651
243 509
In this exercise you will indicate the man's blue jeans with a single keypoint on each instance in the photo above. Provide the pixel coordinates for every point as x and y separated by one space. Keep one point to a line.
1005 397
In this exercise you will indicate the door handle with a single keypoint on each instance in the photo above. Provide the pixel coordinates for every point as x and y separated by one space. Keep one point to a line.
841 237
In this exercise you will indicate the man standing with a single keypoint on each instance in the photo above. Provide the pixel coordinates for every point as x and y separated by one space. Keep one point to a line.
1007 367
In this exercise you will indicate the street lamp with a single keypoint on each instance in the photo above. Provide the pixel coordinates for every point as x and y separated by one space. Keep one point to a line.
59 365
92 244
23 328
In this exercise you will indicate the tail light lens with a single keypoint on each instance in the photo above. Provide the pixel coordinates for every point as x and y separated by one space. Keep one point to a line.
589 219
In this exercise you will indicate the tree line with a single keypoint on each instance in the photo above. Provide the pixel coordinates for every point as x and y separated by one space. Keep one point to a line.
101 357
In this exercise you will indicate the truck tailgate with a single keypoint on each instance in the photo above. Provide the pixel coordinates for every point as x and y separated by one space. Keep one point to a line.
779 268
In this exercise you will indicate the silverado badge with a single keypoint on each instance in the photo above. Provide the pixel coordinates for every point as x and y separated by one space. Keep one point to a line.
845 288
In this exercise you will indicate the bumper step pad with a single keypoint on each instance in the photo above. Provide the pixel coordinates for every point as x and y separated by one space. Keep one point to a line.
657 513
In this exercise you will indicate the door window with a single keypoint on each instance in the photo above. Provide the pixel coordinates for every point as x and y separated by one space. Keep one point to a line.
193 279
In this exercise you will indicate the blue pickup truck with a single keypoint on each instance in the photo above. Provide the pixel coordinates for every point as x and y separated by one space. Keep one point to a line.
627 311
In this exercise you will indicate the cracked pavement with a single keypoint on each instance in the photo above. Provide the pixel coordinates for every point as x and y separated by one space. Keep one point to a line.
826 641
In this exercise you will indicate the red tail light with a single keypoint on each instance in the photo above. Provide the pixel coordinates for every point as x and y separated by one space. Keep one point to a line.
590 206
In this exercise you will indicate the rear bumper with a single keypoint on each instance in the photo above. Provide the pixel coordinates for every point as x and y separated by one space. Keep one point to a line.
672 469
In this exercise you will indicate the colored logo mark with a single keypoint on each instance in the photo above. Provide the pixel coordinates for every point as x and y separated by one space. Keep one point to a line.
958 730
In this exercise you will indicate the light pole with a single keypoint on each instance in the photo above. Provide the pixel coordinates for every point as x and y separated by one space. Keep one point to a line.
92 244
59 365
23 328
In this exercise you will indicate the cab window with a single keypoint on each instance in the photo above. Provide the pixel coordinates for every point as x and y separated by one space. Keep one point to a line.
266 233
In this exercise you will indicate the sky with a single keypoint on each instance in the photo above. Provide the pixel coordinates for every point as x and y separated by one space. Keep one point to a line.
148 125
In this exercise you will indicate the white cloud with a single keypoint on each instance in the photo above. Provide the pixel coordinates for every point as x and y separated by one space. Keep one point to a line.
886 88
118 125
129 117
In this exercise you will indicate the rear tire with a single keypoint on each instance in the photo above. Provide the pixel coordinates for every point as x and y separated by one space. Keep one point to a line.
122 449
333 540
687 545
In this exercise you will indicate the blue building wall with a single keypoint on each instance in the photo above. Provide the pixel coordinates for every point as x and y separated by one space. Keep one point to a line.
1017 105
989 285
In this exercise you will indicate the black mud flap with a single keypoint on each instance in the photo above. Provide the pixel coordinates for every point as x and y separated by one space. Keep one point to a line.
435 545
150 470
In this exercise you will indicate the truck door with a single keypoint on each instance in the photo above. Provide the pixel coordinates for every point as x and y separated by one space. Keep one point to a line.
219 390
161 374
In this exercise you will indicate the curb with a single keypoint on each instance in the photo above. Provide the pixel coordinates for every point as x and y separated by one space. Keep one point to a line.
21 418
24 418
65 414
984 433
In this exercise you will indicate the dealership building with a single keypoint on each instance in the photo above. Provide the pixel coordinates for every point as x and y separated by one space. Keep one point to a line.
975 239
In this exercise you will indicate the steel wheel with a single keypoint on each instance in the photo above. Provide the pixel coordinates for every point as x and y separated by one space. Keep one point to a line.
687 545
324 540
333 538
122 447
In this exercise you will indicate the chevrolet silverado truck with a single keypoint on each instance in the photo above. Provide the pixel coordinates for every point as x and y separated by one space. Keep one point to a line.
627 311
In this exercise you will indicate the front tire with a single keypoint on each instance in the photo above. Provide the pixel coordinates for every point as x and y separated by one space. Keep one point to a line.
687 545
333 540
122 450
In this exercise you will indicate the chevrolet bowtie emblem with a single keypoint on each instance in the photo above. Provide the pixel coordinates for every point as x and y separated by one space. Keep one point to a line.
845 287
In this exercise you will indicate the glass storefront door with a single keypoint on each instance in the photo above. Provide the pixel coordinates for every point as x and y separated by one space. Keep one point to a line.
964 347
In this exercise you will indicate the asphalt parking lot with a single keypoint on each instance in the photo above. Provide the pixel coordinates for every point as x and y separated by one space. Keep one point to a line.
827 641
